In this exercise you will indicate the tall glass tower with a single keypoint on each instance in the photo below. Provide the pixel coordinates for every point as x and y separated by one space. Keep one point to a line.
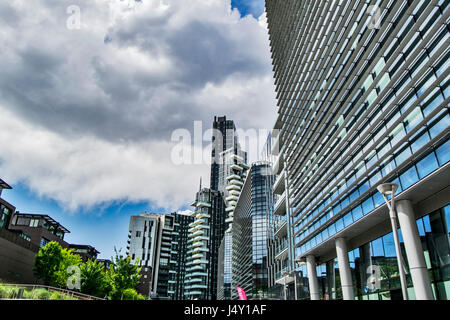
363 99
250 234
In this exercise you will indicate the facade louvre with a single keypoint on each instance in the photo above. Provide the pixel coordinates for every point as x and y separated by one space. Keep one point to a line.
358 106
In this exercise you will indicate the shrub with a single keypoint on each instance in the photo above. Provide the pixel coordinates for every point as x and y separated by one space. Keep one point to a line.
55 296
2 293
28 294
41 294
8 293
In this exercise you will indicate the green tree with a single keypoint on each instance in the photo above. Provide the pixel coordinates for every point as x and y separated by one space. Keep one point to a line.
123 275
94 280
51 263
47 262
69 258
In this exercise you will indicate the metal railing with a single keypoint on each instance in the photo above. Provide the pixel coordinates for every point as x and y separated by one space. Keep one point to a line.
33 287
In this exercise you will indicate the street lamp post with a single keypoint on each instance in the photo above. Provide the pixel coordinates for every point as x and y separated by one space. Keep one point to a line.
390 189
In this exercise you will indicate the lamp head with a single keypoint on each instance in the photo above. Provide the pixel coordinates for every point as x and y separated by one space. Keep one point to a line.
387 188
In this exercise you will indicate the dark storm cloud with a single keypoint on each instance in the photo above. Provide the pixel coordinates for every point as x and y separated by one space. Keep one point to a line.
95 95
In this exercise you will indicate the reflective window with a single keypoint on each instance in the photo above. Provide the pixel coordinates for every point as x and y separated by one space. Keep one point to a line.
427 165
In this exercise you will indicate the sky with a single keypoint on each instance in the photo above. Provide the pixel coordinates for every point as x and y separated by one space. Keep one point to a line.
92 92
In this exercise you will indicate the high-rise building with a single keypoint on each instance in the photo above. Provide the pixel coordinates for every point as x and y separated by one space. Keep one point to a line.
158 242
250 234
363 99
231 168
277 254
224 138
205 235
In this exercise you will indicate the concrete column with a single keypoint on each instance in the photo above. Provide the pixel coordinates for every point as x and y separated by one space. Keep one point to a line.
344 269
414 251
312 277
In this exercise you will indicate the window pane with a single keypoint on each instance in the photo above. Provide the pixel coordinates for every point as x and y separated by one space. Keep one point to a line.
443 153
348 219
377 248
440 126
389 245
409 178
357 213
427 165
367 206
339 225
420 142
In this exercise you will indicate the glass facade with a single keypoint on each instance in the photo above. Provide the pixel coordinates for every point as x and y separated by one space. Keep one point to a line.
359 105
250 235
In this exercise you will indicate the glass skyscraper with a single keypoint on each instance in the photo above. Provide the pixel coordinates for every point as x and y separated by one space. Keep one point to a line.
250 234
363 99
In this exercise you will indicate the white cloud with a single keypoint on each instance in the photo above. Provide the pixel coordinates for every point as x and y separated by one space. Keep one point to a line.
87 114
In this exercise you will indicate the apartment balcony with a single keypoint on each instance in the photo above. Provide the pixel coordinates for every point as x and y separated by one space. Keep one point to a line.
198 256
200 249
278 164
198 233
194 203
279 186
194 293
198 286
195 268
203 215
281 251
280 205
191 225
233 187
232 203
233 177
284 277
200 261
229 220
194 280
199 221
192 229
201 238
198 244
190 235
237 182
235 193
200 274
237 167
230 208
281 229
232 198
276 145
237 158
202 204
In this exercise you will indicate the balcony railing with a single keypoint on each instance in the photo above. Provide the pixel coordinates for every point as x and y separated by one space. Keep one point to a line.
280 205
281 247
